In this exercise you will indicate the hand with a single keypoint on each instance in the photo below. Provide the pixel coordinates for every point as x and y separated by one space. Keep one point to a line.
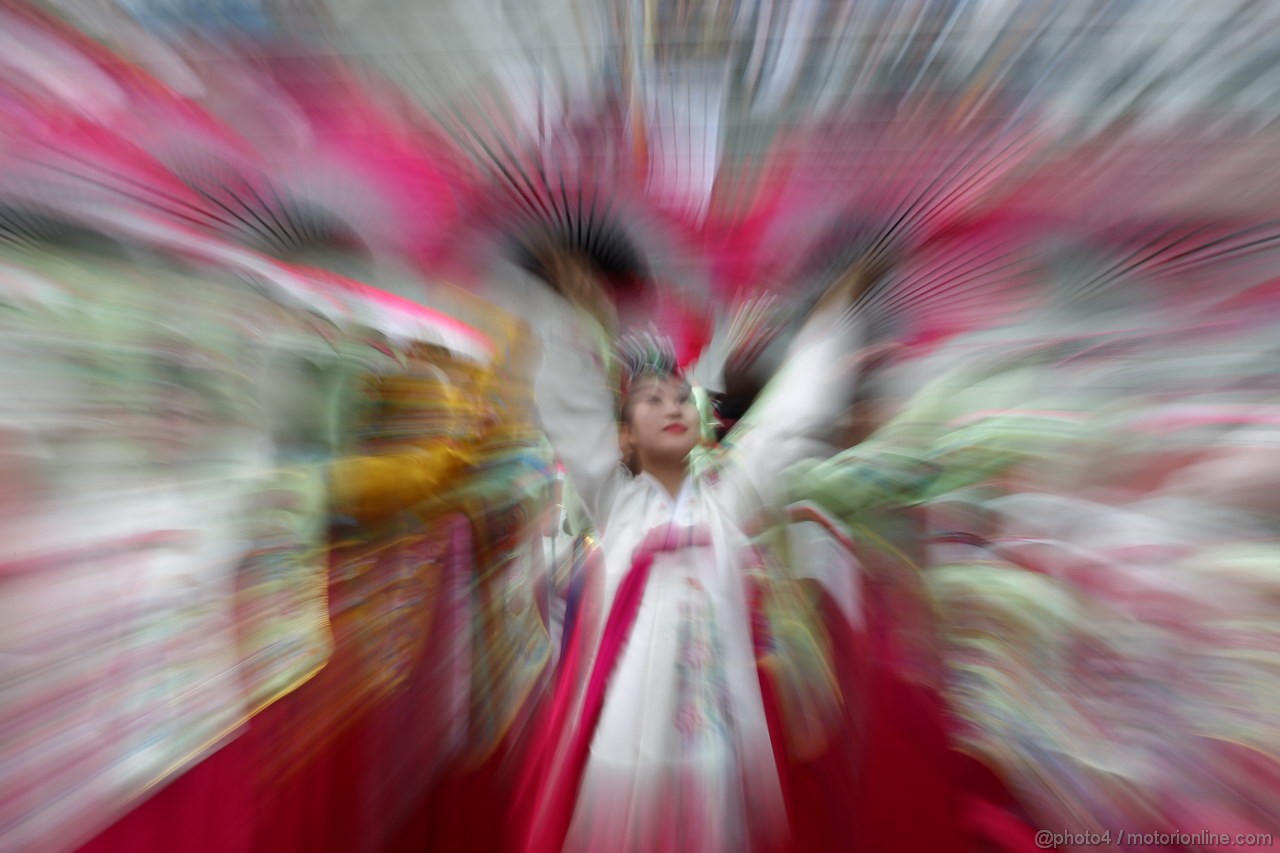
571 276
576 282
857 280
864 273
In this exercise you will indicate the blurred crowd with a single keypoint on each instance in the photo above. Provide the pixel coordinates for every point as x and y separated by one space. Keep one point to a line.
290 506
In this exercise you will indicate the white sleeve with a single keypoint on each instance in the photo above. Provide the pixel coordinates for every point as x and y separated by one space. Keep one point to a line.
708 370
789 421
576 409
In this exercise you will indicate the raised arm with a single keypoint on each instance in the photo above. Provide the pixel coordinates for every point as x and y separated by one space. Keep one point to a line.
572 396
811 389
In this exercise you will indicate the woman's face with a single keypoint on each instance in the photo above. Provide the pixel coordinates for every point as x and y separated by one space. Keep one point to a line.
660 421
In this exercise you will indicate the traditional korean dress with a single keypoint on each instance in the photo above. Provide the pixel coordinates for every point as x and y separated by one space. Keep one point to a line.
669 747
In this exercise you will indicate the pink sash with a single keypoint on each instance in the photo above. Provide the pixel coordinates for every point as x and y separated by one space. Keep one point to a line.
553 776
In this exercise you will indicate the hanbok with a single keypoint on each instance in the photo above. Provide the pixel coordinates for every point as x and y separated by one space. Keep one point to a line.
669 747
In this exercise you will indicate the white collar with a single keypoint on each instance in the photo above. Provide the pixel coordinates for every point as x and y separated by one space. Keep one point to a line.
680 500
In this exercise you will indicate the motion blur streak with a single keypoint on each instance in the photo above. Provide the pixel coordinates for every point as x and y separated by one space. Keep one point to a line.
290 563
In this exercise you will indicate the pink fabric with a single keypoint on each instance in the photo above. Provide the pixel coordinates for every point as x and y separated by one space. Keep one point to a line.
910 768
564 751
891 764
364 790
906 770
554 814
817 791
556 718
224 805
875 799
990 815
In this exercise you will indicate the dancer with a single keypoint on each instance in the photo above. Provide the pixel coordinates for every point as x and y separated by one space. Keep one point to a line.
670 748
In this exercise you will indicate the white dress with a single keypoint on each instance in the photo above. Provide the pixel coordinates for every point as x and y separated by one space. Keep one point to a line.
681 758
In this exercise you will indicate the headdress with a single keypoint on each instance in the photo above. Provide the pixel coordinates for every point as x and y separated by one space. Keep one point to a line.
644 355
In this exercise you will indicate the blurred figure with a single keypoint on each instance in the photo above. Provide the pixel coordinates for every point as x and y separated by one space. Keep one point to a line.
672 742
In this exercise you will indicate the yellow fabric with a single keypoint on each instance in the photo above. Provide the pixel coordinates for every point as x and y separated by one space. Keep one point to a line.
410 468
485 406
371 487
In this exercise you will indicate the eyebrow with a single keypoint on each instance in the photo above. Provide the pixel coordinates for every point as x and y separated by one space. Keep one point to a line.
659 382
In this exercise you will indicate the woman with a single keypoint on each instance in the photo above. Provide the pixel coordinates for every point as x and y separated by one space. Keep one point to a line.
669 747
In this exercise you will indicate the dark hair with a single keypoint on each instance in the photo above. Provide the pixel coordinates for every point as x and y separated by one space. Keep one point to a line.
741 388
642 356
599 240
